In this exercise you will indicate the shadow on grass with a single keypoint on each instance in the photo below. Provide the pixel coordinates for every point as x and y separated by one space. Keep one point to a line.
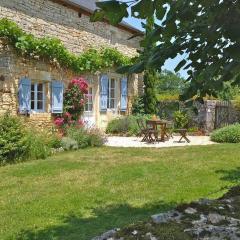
232 176
75 227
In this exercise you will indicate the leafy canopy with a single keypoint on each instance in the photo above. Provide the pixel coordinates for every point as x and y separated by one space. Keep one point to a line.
206 32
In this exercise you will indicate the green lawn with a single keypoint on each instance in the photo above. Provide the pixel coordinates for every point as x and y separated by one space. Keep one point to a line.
78 195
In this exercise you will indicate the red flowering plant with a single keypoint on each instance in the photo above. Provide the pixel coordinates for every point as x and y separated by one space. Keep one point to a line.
74 101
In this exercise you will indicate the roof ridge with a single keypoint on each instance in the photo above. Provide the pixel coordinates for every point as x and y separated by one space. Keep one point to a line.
89 6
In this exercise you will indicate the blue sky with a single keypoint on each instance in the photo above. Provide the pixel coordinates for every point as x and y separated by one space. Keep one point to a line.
171 63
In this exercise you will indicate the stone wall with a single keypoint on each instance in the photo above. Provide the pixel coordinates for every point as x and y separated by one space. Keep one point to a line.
207 117
46 18
13 68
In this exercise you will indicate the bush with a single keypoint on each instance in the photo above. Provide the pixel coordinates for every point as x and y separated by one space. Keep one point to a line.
13 143
96 138
138 106
125 125
69 144
229 134
181 119
79 135
237 102
86 137
54 141
39 145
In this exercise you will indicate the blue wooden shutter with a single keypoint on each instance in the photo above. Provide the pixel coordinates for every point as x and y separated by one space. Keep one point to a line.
104 82
24 95
57 96
124 93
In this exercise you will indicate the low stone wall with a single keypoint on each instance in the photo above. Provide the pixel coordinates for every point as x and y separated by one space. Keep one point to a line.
210 115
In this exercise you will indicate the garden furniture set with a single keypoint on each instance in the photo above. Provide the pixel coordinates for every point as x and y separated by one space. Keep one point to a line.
157 130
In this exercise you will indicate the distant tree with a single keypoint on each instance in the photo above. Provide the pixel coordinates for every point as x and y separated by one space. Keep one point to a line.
229 92
169 82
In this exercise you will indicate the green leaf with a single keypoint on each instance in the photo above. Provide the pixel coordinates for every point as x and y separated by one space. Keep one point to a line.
98 15
143 9
160 9
114 11
180 65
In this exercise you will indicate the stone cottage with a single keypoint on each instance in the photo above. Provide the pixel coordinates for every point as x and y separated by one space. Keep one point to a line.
37 86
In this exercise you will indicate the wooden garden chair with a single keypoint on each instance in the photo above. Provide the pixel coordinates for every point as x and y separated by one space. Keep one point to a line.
169 130
148 133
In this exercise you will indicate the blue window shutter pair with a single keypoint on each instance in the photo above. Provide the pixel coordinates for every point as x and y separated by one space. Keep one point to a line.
24 95
124 94
104 83
57 96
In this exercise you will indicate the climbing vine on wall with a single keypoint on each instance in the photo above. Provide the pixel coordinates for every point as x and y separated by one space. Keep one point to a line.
54 51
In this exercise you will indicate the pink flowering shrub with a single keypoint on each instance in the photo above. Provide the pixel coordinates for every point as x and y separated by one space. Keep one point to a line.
74 102
59 121
81 83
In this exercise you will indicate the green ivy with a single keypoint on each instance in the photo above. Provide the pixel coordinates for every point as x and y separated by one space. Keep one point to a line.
53 50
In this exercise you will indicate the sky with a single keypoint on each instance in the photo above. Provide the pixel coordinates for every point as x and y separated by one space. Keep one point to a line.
171 63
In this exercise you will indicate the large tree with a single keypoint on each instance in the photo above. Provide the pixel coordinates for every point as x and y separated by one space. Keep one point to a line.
207 32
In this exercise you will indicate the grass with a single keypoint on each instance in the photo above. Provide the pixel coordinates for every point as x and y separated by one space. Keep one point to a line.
78 195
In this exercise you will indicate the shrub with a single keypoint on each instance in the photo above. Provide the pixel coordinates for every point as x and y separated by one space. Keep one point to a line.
79 135
39 145
96 137
168 97
69 144
125 125
181 119
13 143
237 102
229 134
150 97
138 106
54 141
86 137
74 102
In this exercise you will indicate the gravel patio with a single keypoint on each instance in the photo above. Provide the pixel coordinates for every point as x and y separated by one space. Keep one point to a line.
115 141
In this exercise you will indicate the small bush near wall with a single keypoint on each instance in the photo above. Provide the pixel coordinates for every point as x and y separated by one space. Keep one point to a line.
125 125
17 143
40 145
13 140
138 106
181 119
80 137
229 134
69 144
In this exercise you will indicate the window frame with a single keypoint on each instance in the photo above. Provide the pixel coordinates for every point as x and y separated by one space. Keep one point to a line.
109 93
35 100
87 103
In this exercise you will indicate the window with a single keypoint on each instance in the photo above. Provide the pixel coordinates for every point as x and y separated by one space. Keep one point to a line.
108 96
38 97
112 94
89 102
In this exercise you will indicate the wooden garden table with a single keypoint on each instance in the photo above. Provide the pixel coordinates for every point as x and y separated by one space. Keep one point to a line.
158 122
